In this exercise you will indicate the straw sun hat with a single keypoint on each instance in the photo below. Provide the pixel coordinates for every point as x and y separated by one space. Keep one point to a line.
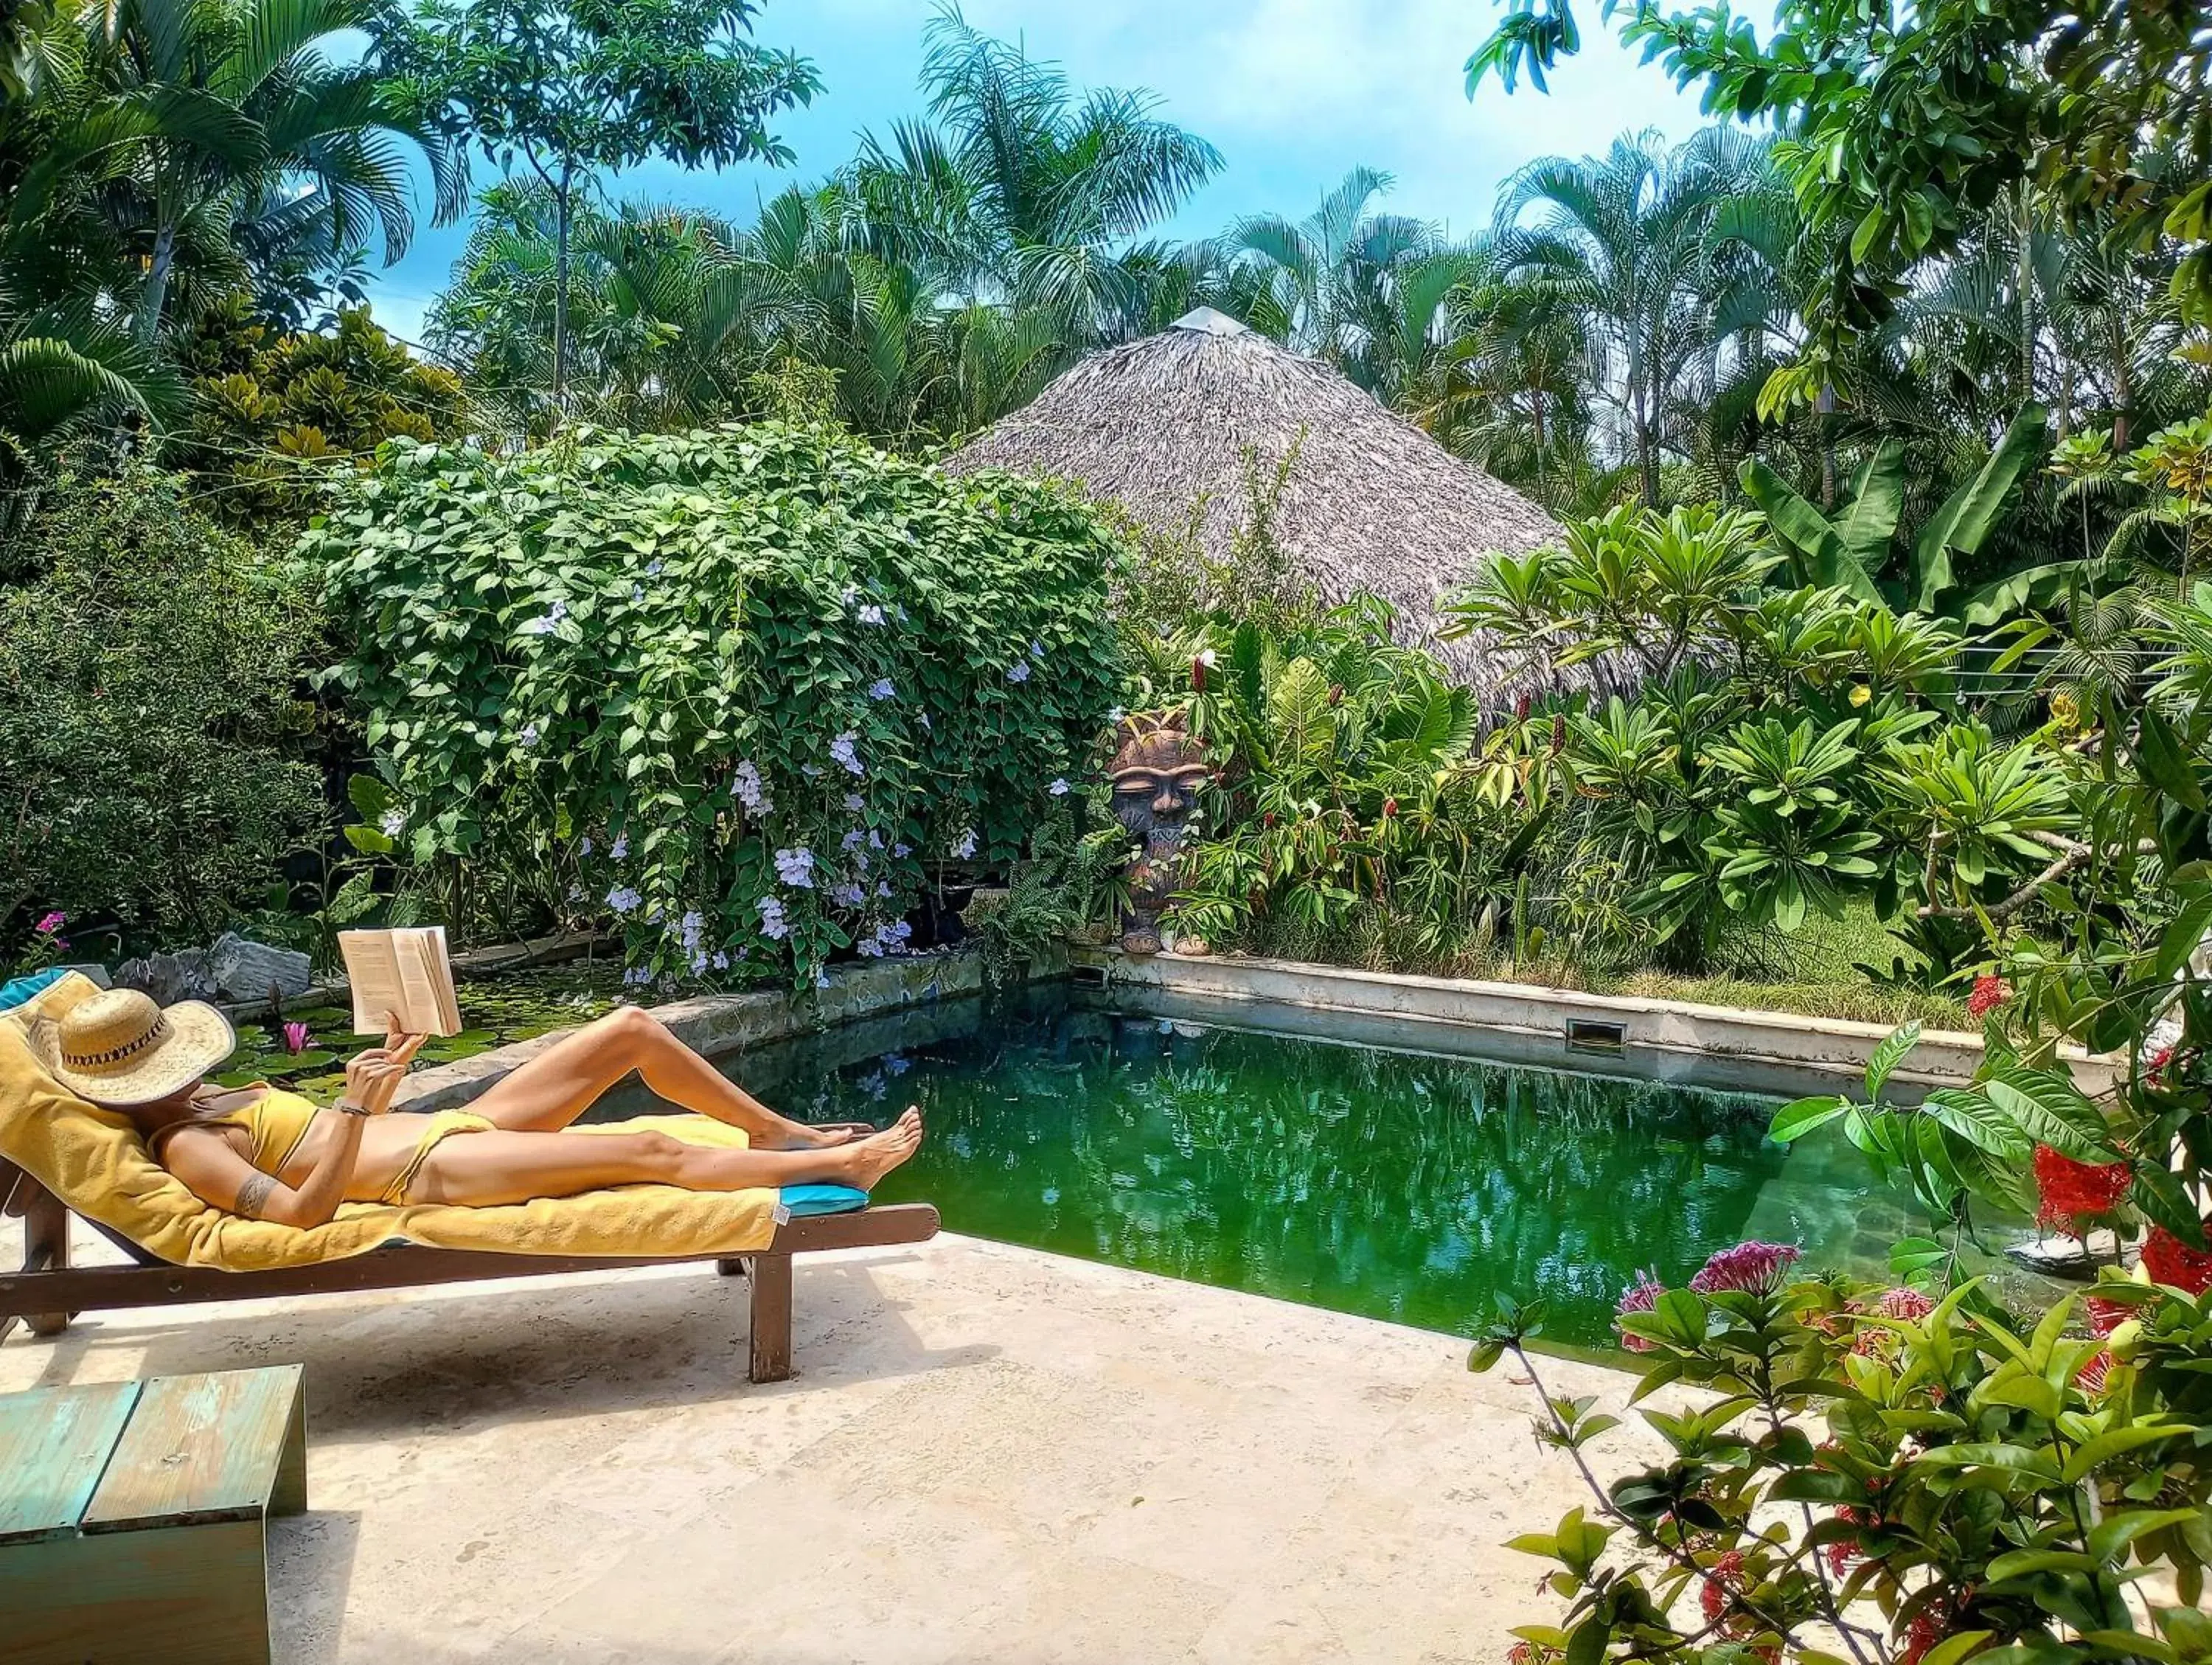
118 1048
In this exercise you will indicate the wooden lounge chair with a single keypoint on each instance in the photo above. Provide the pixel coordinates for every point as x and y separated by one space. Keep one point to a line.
48 1291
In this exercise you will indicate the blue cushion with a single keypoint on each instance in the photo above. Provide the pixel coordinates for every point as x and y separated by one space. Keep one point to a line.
799 1201
20 990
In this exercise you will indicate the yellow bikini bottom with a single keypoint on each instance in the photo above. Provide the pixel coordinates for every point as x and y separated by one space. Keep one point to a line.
443 1125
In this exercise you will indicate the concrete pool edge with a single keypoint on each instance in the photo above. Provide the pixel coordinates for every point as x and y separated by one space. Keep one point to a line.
1828 1044
716 1024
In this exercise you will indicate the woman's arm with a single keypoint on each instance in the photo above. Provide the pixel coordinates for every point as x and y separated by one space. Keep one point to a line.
219 1176
215 1171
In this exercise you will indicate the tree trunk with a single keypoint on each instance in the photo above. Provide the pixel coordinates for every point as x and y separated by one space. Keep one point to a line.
1647 457
2121 393
1824 408
561 209
156 292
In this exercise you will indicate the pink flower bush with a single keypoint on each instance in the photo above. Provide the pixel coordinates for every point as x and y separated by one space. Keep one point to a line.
51 924
1753 1268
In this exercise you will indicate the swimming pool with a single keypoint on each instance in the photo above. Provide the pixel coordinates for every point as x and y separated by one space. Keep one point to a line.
1228 1147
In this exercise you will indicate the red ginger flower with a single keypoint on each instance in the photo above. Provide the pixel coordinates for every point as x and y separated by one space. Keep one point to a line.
1641 1295
1989 993
2071 1194
2172 1262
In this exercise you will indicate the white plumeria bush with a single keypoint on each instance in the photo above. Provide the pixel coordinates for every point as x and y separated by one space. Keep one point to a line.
752 685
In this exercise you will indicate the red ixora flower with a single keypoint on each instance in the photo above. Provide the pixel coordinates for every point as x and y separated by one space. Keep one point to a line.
1842 1551
2106 1315
1725 1574
2090 1378
1641 1295
2172 1262
2071 1194
1989 993
1756 1269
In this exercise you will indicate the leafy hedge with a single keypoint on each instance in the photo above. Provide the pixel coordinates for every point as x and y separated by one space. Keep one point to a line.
754 684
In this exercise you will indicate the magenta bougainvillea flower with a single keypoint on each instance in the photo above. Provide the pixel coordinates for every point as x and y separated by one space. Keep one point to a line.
1755 1268
51 923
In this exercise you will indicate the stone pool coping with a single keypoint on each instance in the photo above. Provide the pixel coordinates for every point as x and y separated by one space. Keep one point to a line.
1825 1044
716 1024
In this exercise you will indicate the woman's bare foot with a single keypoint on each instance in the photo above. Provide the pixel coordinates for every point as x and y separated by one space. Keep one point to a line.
878 1154
800 1137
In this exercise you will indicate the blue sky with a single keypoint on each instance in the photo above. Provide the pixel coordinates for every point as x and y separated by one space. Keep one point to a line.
1291 92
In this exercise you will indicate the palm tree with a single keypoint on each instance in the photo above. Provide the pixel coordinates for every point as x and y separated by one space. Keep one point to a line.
1338 279
1622 237
192 110
1015 190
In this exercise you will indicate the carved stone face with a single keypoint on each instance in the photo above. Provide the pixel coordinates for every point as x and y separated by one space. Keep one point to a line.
1156 775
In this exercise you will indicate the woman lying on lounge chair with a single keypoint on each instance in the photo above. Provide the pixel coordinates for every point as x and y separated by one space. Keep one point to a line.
271 1155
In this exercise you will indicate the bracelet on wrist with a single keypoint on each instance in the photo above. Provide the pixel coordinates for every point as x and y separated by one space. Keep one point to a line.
347 1107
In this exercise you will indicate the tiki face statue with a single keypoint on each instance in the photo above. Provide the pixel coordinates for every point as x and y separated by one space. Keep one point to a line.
1156 775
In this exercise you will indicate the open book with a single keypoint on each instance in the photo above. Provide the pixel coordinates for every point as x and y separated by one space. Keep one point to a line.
405 971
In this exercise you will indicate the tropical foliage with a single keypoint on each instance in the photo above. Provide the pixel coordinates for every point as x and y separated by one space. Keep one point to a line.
746 692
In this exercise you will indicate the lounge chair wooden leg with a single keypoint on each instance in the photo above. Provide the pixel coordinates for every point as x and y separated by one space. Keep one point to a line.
47 1247
770 1275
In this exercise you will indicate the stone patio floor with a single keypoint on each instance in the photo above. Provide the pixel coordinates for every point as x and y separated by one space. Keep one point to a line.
988 1454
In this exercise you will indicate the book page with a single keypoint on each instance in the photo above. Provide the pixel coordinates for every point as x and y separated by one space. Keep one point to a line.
405 972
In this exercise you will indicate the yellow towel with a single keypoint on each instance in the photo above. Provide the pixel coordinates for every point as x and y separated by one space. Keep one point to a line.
94 1160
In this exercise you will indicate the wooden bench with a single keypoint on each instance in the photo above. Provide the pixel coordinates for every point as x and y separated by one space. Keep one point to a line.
133 1518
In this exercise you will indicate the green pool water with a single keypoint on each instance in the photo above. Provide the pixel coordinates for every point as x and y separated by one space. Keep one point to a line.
1403 1186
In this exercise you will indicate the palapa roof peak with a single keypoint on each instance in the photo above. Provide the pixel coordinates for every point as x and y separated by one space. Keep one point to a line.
1370 502
1207 321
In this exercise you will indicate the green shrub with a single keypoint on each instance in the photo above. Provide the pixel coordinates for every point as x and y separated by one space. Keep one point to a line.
150 730
750 686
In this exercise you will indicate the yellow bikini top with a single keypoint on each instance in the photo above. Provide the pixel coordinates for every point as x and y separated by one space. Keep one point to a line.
276 1123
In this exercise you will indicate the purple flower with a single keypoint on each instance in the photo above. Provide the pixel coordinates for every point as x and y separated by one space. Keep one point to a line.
773 926
623 899
848 895
637 976
584 847
1754 1268
1059 788
796 868
883 887
51 923
637 593
691 927
881 689
900 852
843 751
652 570
621 847
295 1038
1642 1295
698 963
747 787
1036 649
721 961
854 802
529 735
543 626
870 614
964 849
1018 670
850 840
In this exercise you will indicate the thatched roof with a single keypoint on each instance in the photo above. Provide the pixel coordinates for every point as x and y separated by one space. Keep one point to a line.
1371 503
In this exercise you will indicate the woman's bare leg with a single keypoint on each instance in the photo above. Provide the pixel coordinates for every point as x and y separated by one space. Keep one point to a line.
481 1171
558 1085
